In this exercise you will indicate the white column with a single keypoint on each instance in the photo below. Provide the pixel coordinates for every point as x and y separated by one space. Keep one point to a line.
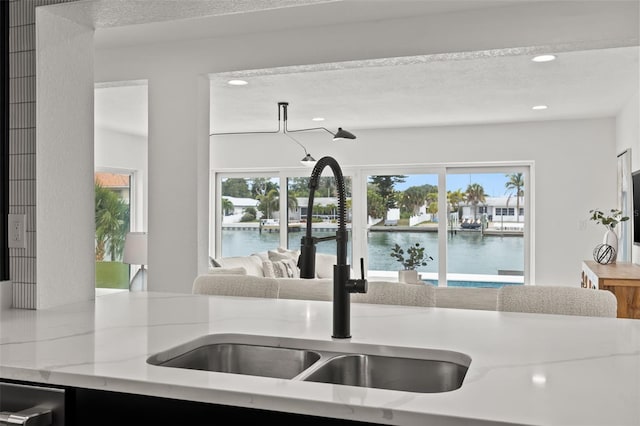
64 169
178 180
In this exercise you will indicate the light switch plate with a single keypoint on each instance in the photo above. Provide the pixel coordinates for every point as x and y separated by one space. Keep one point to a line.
17 231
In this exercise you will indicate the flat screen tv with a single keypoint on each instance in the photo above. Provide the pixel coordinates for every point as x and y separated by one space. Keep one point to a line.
635 179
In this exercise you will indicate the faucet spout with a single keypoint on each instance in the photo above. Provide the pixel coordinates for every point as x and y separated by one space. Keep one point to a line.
343 285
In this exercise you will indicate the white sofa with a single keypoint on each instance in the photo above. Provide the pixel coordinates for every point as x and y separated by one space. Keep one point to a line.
534 299
276 263
255 276
380 292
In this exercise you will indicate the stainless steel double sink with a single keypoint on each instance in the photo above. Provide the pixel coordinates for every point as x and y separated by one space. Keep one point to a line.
341 363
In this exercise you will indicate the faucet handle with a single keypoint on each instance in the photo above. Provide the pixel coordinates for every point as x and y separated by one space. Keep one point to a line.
361 285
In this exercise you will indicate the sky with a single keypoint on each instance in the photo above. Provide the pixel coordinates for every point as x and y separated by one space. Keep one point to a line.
493 183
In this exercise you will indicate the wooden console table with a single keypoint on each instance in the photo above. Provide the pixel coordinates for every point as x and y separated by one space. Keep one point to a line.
621 278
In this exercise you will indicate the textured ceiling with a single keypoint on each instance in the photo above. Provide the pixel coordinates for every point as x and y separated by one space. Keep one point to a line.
444 89
383 94
485 89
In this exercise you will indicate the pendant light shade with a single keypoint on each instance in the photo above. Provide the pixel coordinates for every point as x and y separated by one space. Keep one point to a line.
308 161
342 134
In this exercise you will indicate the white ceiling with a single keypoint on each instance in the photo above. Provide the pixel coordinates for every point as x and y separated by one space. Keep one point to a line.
492 89
477 87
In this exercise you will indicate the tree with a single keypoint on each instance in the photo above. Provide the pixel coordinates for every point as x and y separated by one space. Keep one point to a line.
268 203
227 206
261 186
432 202
299 186
515 186
249 215
455 198
475 195
412 198
375 203
235 187
385 188
112 223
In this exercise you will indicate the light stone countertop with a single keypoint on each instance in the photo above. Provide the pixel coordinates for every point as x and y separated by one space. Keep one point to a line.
525 368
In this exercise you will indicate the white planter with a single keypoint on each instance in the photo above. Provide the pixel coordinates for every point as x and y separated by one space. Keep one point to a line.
409 276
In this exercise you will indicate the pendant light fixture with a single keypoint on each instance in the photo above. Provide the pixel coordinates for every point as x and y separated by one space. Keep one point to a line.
307 160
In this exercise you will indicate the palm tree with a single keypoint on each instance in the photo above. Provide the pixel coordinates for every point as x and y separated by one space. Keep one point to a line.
269 202
112 223
432 202
515 186
227 206
475 195
455 198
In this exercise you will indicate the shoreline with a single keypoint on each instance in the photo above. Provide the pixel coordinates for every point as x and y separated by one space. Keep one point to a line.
300 227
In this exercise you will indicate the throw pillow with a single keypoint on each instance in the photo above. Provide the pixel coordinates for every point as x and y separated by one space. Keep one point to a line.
268 269
291 264
279 269
228 271
262 255
294 254
274 256
292 268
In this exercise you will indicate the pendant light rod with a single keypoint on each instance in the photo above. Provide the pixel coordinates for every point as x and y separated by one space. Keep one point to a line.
282 116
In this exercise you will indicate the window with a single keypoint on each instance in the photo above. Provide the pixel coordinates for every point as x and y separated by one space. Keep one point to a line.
402 209
486 250
325 212
249 208
464 218
113 213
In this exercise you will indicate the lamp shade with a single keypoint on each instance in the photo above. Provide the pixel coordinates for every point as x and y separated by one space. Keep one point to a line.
308 161
343 134
135 248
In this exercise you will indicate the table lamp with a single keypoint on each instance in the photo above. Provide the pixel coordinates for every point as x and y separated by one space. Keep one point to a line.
135 253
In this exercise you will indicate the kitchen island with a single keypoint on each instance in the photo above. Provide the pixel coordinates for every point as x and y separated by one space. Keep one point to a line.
530 369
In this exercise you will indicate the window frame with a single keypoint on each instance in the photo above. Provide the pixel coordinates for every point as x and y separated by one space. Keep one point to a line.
359 176
135 207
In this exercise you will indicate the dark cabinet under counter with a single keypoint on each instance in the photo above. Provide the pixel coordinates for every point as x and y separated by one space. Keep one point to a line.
71 406
32 404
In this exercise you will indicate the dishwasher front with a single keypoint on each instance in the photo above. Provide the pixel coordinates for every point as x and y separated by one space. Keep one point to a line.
31 405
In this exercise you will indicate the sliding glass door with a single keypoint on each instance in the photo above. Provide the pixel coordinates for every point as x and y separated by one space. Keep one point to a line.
485 238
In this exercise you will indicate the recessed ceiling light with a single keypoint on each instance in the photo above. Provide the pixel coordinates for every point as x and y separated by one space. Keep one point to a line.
317 119
544 58
539 107
237 82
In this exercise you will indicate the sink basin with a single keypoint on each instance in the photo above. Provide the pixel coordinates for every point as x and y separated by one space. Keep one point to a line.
372 366
384 372
255 360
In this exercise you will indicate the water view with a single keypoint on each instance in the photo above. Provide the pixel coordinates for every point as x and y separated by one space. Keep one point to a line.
468 252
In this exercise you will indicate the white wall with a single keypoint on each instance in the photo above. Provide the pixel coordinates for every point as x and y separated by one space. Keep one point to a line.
575 171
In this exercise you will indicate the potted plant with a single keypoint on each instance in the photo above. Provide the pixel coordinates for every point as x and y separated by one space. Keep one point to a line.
410 259
602 253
